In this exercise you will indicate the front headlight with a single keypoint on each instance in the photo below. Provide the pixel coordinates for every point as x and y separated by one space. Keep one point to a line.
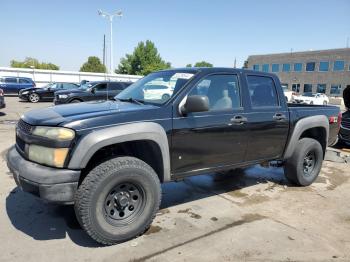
55 133
25 92
63 96
48 156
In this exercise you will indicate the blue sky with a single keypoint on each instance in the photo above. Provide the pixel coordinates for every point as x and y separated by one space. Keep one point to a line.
67 32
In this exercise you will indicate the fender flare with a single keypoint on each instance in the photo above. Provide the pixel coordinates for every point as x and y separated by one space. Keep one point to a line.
301 126
96 140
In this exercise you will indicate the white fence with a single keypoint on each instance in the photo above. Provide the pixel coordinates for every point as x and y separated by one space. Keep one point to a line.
43 77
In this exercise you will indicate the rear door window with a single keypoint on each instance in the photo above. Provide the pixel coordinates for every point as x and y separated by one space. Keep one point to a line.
101 87
11 80
115 86
262 91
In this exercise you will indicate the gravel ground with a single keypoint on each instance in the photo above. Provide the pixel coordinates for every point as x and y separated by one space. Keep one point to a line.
252 215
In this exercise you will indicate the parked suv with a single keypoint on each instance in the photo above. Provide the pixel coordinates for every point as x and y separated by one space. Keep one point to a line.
2 99
101 90
109 158
12 85
46 93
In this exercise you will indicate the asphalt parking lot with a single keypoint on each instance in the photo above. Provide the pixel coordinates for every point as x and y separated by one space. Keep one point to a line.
251 215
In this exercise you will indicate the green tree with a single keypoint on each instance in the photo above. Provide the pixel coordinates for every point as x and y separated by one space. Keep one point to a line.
30 62
93 65
203 64
189 65
144 60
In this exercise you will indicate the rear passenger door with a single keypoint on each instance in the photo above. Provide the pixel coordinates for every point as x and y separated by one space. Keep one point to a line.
11 85
268 119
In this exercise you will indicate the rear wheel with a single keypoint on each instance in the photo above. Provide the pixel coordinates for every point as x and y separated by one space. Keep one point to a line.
324 103
75 101
303 167
34 98
118 200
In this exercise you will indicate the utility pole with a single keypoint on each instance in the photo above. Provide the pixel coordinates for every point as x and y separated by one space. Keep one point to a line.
104 50
235 63
110 17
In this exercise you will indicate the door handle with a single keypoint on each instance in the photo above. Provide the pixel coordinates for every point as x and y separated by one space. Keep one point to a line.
279 117
239 120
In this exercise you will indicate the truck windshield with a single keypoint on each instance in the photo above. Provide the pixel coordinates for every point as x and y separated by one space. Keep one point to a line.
156 88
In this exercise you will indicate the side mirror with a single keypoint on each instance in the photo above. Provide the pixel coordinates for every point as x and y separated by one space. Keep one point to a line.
195 103
93 90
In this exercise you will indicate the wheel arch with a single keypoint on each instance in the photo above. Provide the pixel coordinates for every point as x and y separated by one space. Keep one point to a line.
146 141
316 127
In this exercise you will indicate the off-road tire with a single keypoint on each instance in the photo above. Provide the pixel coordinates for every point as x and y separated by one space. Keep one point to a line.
294 166
92 192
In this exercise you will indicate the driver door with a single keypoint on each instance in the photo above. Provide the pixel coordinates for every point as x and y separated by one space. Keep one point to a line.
212 139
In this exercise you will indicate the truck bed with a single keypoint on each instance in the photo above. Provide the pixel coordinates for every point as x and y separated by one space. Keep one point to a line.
299 111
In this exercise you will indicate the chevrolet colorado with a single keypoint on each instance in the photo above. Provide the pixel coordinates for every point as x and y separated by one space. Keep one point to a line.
109 158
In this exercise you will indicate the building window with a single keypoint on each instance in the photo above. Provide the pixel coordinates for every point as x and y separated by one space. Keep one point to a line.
338 66
324 66
321 88
265 67
286 67
307 88
298 67
275 67
310 66
256 67
336 90
296 88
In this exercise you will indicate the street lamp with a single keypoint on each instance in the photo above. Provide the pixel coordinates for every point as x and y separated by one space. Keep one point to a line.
110 17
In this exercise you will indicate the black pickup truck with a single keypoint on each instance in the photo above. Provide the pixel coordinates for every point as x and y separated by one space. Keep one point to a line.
109 158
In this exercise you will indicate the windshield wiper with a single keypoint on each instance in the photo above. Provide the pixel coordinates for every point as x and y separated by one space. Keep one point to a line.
131 100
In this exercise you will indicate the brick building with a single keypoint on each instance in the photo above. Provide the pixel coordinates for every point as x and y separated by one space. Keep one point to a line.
323 71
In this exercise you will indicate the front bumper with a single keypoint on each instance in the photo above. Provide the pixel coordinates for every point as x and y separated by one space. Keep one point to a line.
23 97
51 184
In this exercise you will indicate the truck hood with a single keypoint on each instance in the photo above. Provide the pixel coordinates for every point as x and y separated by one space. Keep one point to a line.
64 114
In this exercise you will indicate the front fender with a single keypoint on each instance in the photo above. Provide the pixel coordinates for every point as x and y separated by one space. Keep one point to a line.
96 140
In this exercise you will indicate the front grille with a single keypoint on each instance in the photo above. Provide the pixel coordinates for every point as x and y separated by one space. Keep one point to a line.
345 124
24 127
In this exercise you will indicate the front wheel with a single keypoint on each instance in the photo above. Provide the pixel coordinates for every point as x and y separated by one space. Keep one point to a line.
34 98
303 167
118 200
324 103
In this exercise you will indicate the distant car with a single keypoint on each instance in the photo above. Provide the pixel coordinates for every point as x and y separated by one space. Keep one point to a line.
157 92
289 94
2 99
12 85
46 93
101 90
312 99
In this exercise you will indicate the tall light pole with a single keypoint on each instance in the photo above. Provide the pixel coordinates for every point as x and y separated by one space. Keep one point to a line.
110 17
